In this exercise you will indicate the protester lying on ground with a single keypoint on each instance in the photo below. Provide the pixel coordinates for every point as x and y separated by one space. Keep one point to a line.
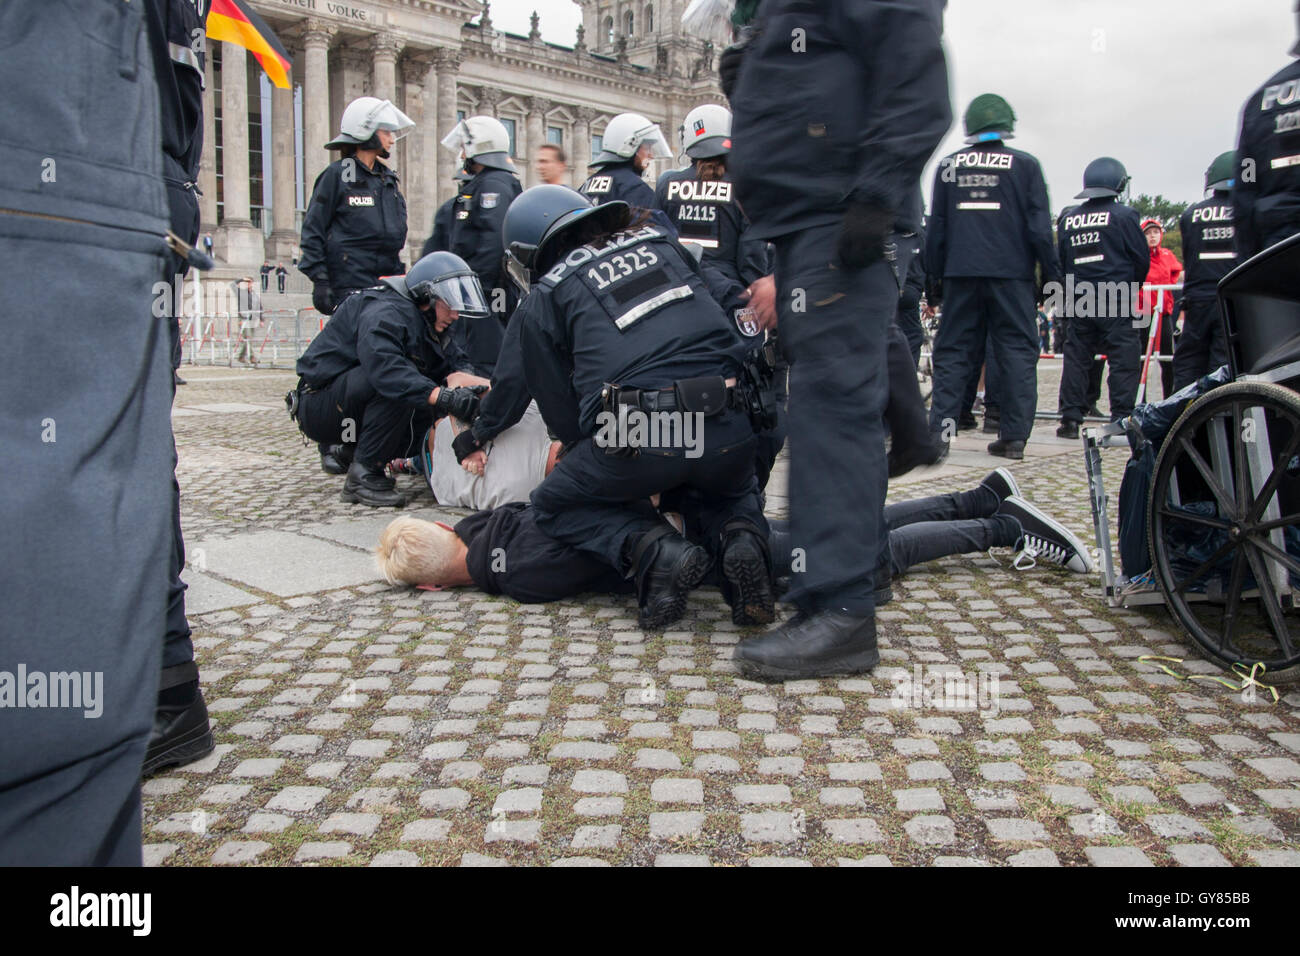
503 552
520 457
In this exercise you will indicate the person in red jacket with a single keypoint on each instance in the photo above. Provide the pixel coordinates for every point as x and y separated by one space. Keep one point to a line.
1165 270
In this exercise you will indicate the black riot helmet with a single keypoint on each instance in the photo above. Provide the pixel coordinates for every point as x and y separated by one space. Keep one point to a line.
1103 177
534 220
446 277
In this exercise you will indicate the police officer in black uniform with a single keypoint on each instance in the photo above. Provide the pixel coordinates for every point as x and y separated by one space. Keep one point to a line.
1209 254
990 225
1266 204
355 225
440 239
628 146
827 146
474 232
619 332
385 366
1104 259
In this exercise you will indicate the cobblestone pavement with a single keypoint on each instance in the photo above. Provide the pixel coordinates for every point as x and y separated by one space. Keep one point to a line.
359 724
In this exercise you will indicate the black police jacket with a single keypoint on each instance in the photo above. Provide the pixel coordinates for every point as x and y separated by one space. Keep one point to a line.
355 226
1100 240
505 404
631 312
619 181
387 334
1266 198
836 102
177 48
989 215
1209 245
439 240
708 214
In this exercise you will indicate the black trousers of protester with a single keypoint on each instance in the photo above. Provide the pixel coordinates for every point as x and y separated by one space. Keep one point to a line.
592 499
384 428
905 412
1201 348
1167 349
839 384
279 281
926 529
1122 346
85 408
1003 310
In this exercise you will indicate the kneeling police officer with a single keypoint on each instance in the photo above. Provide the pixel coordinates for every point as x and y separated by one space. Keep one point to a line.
618 329
384 367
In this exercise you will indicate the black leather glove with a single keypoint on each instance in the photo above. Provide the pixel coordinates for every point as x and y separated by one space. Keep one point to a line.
863 234
322 298
465 445
460 403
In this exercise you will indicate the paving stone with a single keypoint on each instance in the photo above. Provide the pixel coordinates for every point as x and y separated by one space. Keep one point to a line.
1132 794
1036 857
1280 799
1002 772
667 826
669 790
928 770
513 831
395 858
596 837
239 852
1196 854
853 831
478 859
771 826
328 850
1094 825
426 831
1258 826
573 750
761 794
841 796
530 774
1070 796
681 859
1275 857
598 806
357 824
447 798
1116 856
599 781
1017 830
1175 825
647 759
1276 769
521 800
1200 794
931 830
297 799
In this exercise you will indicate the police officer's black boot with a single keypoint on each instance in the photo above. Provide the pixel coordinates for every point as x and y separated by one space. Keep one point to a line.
335 459
821 644
746 578
667 567
368 485
181 733
1006 448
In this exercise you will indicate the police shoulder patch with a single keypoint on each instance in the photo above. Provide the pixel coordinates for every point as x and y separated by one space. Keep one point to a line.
747 323
488 200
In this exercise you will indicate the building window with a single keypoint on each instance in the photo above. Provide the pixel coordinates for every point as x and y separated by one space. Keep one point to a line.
460 115
555 135
597 144
509 124
627 24
609 33
649 19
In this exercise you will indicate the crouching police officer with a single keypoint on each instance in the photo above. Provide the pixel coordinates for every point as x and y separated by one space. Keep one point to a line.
355 225
474 231
1104 258
1209 254
635 369
384 367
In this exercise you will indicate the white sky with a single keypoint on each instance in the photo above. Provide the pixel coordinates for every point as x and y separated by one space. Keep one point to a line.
1158 84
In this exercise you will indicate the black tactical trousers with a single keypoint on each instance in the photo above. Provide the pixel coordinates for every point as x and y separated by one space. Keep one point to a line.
839 383
1201 348
985 362
1122 346
593 500
1004 311
349 407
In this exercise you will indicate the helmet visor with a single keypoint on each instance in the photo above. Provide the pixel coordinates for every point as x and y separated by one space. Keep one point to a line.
387 116
458 138
655 137
460 293
517 269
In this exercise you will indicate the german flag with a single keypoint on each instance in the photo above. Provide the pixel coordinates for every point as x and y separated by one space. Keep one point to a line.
232 21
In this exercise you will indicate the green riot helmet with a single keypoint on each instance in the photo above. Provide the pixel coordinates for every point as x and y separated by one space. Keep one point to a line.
989 117
1222 172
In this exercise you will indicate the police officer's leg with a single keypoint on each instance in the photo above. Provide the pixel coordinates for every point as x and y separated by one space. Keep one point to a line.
1014 342
1081 343
1200 348
959 337
1123 348
385 429
838 388
1166 352
909 322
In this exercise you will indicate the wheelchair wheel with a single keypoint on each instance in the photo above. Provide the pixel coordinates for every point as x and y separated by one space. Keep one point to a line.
1223 523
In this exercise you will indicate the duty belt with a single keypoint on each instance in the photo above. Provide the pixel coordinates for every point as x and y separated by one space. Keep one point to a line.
669 399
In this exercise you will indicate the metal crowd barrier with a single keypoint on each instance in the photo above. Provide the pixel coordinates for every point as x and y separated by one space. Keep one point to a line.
216 338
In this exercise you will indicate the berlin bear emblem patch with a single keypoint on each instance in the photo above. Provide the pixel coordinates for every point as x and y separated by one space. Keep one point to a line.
747 323
488 200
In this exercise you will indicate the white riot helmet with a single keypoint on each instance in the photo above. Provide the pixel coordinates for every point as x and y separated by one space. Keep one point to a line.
625 134
482 139
706 132
363 117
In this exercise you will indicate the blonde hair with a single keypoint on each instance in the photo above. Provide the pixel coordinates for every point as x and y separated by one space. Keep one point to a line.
413 551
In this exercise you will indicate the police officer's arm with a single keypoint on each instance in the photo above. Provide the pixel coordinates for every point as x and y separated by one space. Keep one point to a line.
1136 248
506 403
1038 214
754 258
316 225
548 371
479 243
382 348
1245 194
908 109
936 236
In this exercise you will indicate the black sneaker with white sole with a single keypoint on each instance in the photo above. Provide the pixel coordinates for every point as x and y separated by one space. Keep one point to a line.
1044 539
1003 484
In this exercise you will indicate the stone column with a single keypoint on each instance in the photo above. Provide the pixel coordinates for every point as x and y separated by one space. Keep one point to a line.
384 48
417 149
316 130
580 154
535 136
352 64
237 240
488 98
284 233
446 65
208 159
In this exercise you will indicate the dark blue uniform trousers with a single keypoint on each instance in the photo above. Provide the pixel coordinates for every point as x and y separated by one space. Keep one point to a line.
383 428
592 500
834 328
1120 342
1003 310
1201 348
